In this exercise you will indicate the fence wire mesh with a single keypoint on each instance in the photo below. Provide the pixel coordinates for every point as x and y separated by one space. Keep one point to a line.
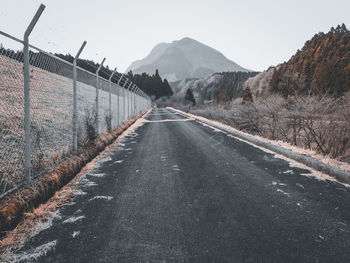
11 116
51 110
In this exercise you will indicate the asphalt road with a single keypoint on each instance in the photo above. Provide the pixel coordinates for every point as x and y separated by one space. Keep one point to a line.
179 191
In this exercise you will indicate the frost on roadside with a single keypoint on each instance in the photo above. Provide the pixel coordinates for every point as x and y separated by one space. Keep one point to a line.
31 255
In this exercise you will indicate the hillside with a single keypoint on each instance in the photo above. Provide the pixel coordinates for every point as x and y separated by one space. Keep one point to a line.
321 67
185 58
260 83
219 87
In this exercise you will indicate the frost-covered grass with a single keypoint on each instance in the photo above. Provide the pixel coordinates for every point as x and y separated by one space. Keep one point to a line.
31 255
33 223
101 197
73 219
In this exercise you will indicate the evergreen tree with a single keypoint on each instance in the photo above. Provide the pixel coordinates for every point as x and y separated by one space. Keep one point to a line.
189 97
153 85
156 76
130 75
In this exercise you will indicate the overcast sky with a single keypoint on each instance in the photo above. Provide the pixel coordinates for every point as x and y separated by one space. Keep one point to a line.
253 33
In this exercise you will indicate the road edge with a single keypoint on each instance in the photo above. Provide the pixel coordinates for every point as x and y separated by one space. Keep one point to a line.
335 172
14 206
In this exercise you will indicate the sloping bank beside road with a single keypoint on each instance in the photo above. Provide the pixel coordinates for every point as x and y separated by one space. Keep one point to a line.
16 204
340 174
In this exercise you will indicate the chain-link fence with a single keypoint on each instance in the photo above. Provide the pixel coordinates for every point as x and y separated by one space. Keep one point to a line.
51 110
11 118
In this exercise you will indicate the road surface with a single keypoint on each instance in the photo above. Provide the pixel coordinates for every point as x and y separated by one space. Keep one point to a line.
178 191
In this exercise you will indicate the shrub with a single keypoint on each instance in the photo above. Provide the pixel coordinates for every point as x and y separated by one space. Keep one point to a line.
108 119
90 125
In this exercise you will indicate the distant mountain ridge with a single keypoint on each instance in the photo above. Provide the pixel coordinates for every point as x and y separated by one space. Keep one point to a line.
185 58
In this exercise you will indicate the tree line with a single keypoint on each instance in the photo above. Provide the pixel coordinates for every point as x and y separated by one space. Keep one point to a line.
152 85
322 67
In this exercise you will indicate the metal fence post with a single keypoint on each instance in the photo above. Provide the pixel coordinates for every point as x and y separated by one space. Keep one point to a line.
135 94
110 95
130 101
124 111
141 101
124 98
137 100
134 98
118 104
129 95
134 109
26 76
133 101
97 87
75 101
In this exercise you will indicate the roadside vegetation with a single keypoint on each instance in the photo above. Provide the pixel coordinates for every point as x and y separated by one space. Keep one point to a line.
319 124
16 204
304 102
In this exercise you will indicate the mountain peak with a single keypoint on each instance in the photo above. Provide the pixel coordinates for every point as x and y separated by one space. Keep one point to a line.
184 58
186 39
